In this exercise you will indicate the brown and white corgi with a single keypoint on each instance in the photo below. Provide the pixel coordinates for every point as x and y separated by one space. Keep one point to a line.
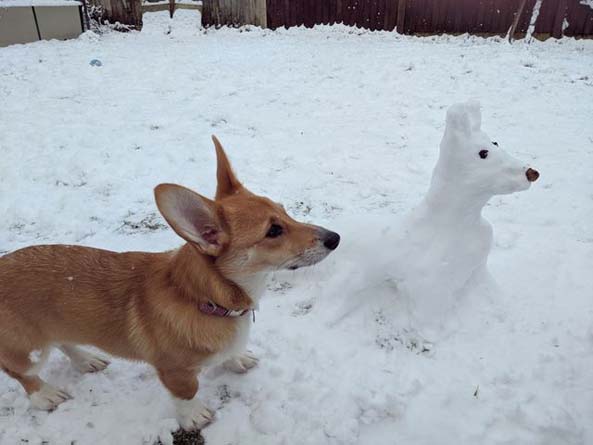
179 310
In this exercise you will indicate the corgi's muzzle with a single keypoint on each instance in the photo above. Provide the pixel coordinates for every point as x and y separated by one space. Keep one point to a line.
327 241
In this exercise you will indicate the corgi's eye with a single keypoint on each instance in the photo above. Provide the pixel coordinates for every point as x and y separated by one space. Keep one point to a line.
483 154
274 231
495 143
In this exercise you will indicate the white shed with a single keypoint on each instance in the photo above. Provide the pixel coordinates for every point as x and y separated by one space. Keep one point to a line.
23 21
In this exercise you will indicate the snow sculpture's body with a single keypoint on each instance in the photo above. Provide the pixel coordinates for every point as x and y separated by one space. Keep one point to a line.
445 241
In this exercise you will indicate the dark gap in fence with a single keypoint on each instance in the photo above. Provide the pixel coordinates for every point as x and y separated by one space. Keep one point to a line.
36 22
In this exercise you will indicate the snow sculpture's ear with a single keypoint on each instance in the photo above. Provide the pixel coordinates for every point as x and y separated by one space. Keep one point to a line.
475 114
458 120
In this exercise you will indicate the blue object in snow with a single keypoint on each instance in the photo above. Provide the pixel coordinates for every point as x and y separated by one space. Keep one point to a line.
95 62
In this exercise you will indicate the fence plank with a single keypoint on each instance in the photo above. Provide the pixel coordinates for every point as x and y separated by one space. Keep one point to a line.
348 8
355 9
580 19
271 18
301 12
588 28
290 18
291 13
318 17
331 11
559 19
380 14
377 16
310 13
350 14
401 16
481 16
387 13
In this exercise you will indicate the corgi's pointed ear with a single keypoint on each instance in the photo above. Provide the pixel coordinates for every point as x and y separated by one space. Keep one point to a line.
193 217
228 184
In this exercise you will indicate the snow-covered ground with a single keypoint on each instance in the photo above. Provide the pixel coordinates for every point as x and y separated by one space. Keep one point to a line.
343 127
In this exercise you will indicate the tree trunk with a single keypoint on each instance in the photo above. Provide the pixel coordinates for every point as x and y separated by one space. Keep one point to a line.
126 13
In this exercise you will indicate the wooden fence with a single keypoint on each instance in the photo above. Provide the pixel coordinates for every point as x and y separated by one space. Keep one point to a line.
234 12
484 17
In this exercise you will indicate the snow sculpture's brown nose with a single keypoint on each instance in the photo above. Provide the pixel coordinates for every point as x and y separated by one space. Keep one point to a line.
532 175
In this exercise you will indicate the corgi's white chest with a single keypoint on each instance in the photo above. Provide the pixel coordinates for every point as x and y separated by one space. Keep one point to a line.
255 286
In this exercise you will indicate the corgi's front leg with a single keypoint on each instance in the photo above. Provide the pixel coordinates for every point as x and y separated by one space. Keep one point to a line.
241 363
243 360
191 413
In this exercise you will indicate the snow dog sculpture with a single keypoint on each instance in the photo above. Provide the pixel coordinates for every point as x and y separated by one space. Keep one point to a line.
445 241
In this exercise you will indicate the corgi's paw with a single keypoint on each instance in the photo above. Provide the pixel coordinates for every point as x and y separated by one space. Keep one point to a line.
241 363
193 414
48 398
84 361
90 363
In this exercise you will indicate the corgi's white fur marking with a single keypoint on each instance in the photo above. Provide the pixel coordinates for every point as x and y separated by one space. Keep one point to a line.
84 361
235 356
192 414
38 357
48 397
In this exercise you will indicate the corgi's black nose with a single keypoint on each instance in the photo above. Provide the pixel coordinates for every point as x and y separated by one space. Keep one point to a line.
331 240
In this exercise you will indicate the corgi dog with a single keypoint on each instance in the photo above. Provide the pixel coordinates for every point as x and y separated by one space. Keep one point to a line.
179 310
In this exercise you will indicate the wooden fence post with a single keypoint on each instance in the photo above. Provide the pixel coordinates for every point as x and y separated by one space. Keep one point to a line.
516 20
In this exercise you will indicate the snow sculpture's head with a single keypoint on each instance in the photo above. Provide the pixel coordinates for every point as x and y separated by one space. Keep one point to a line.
470 160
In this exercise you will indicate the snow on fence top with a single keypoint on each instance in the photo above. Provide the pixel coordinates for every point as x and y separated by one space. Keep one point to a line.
17 3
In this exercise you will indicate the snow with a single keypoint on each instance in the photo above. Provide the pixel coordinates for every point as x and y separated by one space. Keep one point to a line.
565 24
343 127
588 3
15 3
533 20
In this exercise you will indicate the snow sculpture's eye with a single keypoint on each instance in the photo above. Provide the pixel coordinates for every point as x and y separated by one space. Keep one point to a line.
483 154
495 143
